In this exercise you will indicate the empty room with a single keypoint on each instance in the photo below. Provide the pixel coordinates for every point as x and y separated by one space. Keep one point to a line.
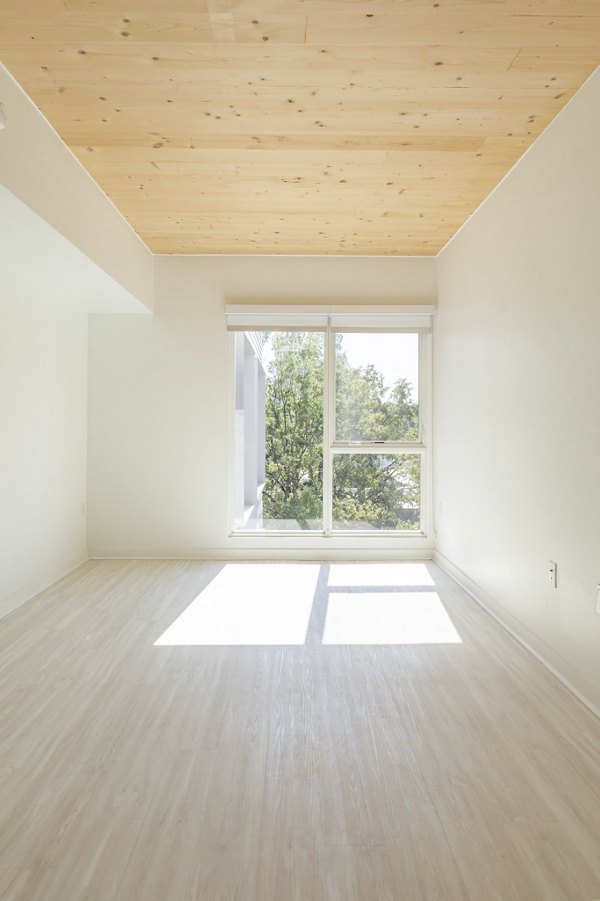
299 450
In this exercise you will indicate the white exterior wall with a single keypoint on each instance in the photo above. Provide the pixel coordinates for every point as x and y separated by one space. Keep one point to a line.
517 395
249 426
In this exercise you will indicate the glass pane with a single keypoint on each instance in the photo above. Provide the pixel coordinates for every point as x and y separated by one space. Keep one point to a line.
377 491
279 430
376 387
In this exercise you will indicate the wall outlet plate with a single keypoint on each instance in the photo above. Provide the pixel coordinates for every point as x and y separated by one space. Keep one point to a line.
552 573
598 599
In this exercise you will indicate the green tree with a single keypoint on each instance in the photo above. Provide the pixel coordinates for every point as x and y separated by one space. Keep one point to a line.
364 411
373 491
294 429
369 491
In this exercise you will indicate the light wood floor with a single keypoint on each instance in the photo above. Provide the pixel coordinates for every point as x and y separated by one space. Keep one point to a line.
423 771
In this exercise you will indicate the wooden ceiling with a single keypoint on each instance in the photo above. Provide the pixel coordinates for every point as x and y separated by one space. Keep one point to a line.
299 126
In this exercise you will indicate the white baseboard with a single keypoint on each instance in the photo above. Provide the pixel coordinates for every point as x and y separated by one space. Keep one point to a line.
491 606
262 553
11 601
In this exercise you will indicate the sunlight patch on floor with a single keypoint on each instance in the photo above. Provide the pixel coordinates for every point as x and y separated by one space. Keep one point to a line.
249 604
400 617
391 575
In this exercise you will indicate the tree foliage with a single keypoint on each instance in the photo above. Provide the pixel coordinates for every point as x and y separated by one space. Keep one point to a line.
294 429
369 490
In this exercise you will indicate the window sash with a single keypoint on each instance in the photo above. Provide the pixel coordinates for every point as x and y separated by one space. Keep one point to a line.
343 446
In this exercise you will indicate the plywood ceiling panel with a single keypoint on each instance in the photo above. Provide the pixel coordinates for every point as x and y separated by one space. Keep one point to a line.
299 126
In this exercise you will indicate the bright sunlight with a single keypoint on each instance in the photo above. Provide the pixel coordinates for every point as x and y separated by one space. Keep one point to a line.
249 604
358 604
390 617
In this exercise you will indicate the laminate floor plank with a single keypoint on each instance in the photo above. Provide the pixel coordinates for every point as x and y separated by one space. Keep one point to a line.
418 770
291 838
14 884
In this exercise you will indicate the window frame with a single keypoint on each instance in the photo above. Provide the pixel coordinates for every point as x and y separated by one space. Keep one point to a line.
368 320
332 446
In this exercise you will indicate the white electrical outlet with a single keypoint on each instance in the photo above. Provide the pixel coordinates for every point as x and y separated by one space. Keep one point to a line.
552 573
597 598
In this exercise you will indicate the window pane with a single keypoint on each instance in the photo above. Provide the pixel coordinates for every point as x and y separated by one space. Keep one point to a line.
279 430
377 387
376 491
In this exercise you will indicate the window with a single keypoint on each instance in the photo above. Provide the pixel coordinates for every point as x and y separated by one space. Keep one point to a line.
279 430
330 422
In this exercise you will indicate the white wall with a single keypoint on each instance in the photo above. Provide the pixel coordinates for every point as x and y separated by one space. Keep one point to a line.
517 376
43 403
160 394
47 289
64 251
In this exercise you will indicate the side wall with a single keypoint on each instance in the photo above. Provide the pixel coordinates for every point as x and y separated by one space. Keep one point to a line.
517 410
161 395
64 250
43 417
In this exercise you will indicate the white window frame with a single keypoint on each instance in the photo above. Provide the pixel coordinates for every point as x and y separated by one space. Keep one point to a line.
330 321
